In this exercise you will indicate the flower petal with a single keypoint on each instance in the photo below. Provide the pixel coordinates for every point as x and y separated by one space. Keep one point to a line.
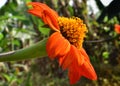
57 45
83 52
41 7
51 20
88 71
48 15
74 73
72 55
75 70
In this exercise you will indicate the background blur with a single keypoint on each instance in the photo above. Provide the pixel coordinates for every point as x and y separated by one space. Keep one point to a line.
18 29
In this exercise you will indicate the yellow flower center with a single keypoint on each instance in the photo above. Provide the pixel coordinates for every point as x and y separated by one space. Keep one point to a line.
73 30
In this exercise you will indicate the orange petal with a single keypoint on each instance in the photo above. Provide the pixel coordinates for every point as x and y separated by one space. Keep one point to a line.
88 71
48 15
66 60
74 73
72 55
35 12
41 7
61 59
57 45
51 20
83 52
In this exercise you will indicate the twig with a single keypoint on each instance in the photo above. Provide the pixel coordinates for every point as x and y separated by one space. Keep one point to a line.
102 40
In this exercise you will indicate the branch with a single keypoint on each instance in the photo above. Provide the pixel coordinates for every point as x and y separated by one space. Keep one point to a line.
102 40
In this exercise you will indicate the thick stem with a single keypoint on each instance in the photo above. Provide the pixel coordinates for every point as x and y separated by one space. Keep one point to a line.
33 51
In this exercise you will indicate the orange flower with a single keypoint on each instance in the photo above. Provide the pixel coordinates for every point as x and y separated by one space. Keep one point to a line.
117 28
65 43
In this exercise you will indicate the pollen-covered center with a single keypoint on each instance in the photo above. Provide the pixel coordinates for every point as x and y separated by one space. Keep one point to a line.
73 30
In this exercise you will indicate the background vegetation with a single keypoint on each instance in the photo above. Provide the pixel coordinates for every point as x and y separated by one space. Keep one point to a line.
18 29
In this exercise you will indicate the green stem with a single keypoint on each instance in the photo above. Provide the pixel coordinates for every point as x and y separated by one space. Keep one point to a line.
33 51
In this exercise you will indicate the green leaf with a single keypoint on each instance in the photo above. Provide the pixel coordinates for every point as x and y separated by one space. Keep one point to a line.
71 10
1 36
6 76
44 31
105 55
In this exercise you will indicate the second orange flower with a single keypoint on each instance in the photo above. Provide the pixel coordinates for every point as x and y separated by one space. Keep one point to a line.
117 28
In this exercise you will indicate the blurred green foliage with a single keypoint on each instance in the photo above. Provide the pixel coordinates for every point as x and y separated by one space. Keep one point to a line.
18 29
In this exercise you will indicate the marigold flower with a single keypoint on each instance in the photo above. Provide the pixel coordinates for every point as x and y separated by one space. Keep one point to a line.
65 43
117 28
